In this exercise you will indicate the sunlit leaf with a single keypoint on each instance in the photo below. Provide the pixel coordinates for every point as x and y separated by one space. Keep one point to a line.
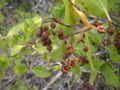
40 49
97 7
41 72
34 26
15 29
70 16
16 49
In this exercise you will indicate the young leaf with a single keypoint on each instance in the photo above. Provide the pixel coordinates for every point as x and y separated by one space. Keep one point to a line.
109 75
16 49
41 72
40 49
19 69
34 25
15 30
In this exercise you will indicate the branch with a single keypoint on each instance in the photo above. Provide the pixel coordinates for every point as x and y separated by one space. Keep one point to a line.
85 29
54 78
10 80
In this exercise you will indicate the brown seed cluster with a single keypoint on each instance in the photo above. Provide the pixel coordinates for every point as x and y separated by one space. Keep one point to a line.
80 39
101 29
43 34
110 31
68 64
97 23
32 42
84 60
52 25
70 50
85 49
60 34
104 42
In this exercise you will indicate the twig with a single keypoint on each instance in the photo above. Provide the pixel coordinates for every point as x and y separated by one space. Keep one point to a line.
59 22
87 71
85 29
54 78
12 79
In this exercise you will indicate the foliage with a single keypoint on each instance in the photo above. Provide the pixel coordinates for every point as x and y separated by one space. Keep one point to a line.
57 39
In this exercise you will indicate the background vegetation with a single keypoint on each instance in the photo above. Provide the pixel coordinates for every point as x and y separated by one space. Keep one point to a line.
59 45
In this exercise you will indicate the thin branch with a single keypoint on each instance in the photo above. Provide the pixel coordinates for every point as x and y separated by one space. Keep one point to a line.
59 74
59 22
54 78
85 29
10 80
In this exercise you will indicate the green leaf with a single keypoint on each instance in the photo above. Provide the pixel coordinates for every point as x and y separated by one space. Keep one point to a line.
98 7
57 54
4 61
40 49
114 56
97 63
95 37
15 29
16 49
58 10
34 26
76 69
19 69
89 52
70 16
27 51
102 4
18 58
28 26
3 44
111 3
109 75
41 72
21 85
